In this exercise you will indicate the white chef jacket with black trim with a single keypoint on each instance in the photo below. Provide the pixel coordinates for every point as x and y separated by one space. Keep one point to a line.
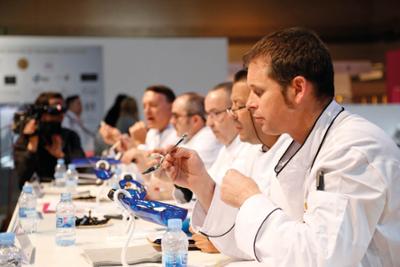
352 220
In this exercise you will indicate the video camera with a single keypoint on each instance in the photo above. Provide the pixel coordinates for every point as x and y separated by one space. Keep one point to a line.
31 111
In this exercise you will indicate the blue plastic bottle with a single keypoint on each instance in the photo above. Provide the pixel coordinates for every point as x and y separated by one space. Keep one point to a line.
174 245
71 178
65 221
27 209
10 255
59 173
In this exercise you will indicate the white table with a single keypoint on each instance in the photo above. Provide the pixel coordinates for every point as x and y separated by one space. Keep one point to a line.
48 254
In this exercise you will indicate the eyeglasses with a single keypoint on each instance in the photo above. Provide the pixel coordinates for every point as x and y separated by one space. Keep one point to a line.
215 114
176 116
232 111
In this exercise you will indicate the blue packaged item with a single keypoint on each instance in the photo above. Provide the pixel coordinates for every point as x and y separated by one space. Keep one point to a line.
186 227
91 161
132 196
103 170
102 166
135 189
155 211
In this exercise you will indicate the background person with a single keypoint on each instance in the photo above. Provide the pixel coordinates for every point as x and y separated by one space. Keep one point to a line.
188 116
155 132
102 141
43 141
73 121
128 115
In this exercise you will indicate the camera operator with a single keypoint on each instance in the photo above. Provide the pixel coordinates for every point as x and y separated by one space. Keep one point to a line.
42 140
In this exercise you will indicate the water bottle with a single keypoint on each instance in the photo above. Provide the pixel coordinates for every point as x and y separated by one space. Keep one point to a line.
10 255
174 245
114 181
71 178
59 173
65 221
27 209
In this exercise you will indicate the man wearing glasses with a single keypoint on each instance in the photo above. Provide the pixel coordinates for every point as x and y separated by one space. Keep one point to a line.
253 160
335 199
189 117
222 125
217 104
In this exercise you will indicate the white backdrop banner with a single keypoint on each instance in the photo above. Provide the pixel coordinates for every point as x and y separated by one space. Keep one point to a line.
26 71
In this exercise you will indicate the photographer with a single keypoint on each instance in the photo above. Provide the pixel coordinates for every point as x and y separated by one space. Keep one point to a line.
42 140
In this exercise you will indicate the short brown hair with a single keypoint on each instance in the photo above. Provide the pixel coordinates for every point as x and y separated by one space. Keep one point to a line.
225 87
164 90
240 76
69 100
292 52
194 104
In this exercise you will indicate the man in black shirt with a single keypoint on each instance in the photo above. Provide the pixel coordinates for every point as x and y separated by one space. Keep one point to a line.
43 141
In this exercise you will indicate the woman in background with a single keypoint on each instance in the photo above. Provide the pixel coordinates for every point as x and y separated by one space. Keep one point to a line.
128 115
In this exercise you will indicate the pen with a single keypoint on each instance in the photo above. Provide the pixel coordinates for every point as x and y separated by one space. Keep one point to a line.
320 183
158 165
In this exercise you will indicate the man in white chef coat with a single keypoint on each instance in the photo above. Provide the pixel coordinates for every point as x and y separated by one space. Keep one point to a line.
155 132
189 117
216 104
254 160
334 197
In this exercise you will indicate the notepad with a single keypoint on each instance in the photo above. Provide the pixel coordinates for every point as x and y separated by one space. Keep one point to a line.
112 256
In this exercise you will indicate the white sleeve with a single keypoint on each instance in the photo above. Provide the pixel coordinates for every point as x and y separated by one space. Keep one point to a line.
218 226
244 163
142 147
207 148
208 154
66 123
337 226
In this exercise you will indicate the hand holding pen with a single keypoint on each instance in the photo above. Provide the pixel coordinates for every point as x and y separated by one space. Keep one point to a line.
158 165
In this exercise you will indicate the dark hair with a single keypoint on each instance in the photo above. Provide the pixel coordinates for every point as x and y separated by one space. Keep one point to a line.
113 113
226 86
296 51
44 98
164 90
70 99
129 108
194 104
241 75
